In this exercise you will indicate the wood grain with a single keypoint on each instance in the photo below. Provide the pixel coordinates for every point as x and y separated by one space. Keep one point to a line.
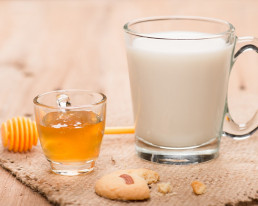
48 45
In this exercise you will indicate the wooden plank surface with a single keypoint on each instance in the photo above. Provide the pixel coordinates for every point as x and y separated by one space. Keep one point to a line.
48 45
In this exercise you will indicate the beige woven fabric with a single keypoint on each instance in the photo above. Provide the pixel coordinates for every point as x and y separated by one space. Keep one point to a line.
231 179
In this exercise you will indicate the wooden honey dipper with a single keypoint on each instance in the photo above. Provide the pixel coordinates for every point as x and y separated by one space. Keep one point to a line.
19 134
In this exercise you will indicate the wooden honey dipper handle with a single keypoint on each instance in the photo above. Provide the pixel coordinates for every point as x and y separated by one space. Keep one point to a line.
19 134
119 130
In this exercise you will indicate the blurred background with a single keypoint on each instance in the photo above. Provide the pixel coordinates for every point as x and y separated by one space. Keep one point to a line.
48 45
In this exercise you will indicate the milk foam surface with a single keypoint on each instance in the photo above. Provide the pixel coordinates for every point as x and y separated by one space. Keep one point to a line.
179 88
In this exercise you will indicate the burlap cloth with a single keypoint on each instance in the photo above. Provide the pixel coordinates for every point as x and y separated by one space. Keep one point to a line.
231 179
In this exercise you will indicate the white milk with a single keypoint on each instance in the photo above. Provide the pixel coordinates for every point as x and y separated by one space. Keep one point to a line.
178 89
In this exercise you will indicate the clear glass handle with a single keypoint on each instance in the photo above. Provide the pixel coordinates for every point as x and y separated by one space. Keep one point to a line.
231 128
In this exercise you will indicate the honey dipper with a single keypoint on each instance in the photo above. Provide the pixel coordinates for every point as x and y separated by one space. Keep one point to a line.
19 134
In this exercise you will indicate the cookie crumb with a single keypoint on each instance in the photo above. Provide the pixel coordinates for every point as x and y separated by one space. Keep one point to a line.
164 187
150 176
198 187
113 161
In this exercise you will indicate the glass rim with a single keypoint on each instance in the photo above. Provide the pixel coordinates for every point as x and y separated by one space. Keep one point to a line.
127 29
101 101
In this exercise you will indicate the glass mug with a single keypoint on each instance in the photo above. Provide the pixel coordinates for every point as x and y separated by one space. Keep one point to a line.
179 70
71 126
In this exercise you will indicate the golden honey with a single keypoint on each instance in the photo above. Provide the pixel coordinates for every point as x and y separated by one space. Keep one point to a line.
71 136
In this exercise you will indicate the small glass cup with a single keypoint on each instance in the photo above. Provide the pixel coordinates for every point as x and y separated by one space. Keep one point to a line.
71 126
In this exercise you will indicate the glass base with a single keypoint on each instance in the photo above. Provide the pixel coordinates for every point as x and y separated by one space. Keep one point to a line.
178 156
72 169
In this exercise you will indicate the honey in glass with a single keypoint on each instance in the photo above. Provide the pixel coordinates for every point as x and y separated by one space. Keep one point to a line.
71 136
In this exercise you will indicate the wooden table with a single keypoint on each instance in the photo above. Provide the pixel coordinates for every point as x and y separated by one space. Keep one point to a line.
48 45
